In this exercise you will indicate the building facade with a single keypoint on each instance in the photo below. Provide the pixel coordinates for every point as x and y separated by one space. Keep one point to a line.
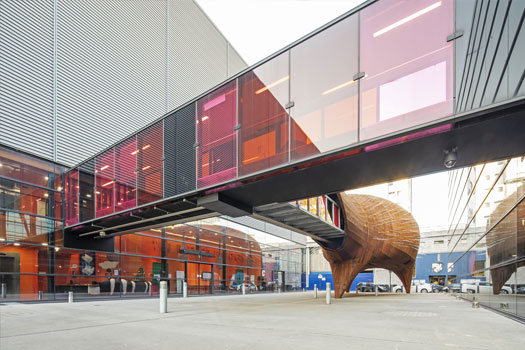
76 77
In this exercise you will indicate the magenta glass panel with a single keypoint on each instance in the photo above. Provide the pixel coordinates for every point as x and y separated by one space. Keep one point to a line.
324 91
125 174
105 183
71 197
263 95
149 164
408 65
216 119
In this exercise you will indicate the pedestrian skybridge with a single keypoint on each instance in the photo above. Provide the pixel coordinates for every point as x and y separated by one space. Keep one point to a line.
375 95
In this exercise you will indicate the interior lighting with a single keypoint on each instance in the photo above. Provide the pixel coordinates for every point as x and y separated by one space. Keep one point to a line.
407 19
282 80
146 167
44 244
1 165
57 249
338 87
107 184
134 152
46 195
104 167
2 239
46 178
205 118
16 244
146 147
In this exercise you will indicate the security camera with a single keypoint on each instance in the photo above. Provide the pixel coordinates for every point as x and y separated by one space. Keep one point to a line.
451 158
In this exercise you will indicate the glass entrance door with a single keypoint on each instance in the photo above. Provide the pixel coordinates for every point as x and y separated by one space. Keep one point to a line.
200 278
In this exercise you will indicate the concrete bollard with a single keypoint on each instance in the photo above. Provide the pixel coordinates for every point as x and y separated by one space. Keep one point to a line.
163 293
375 287
40 295
243 287
4 290
70 297
475 305
328 293
184 290
315 291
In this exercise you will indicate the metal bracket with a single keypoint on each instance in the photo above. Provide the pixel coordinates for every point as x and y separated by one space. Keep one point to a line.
457 34
289 105
358 76
195 145
236 127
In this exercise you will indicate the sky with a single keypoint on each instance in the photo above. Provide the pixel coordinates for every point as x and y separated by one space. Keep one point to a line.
258 28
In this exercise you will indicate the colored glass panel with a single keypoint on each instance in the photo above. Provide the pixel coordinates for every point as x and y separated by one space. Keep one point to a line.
71 196
150 164
264 134
125 174
415 84
105 183
86 195
324 91
216 138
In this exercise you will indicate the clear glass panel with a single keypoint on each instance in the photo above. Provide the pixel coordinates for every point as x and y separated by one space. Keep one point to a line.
395 92
263 95
323 90
216 119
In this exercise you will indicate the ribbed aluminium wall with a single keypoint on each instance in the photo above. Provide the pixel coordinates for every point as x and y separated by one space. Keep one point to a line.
26 76
119 66
111 72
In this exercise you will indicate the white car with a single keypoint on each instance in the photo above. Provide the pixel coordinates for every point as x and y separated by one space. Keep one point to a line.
416 287
480 287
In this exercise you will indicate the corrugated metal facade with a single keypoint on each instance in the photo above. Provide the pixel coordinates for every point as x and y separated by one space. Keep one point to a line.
26 76
119 66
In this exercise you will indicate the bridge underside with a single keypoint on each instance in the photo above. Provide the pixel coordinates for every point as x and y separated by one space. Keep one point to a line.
491 135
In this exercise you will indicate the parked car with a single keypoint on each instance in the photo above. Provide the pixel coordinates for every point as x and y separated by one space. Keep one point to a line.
437 288
416 287
370 287
454 287
481 287
520 290
249 287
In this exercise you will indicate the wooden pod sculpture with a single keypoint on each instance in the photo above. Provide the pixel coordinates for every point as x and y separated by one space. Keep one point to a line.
506 240
378 233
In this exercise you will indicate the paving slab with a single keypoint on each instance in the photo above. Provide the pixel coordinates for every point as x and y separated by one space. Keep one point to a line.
260 321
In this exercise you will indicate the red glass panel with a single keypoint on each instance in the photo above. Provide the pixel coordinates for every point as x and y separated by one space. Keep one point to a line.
71 196
105 183
323 90
125 174
149 164
408 65
216 118
263 95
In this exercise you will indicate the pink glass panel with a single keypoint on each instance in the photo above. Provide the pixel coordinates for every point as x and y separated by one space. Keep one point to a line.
125 174
105 183
149 163
71 195
408 65
216 118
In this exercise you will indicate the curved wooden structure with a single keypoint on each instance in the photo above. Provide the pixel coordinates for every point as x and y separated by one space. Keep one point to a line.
380 234
506 240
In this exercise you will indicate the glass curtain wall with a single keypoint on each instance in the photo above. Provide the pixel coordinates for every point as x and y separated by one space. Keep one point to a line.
491 215
31 196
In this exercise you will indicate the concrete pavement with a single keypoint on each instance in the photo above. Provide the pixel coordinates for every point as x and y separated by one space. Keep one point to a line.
264 321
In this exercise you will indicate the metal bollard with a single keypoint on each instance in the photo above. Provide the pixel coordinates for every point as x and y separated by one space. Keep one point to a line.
375 287
163 297
184 290
328 294
243 287
315 291
40 295
4 290
70 299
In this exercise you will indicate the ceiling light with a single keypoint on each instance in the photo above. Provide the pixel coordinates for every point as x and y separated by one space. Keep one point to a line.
146 147
104 167
407 19
205 118
282 80
338 87
451 158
